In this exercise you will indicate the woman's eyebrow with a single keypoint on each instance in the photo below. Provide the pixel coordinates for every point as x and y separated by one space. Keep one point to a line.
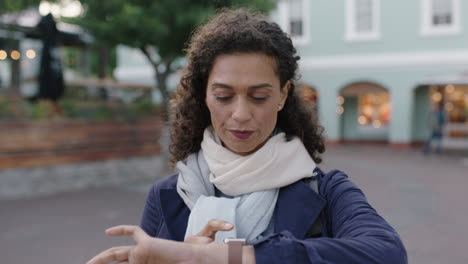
223 85
255 86
261 85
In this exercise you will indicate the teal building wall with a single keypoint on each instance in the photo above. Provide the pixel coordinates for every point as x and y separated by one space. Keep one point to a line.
402 59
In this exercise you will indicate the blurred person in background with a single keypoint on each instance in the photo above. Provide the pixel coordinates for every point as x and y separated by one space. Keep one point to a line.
437 121
246 152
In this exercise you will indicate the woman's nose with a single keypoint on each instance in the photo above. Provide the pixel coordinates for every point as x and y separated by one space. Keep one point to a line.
242 111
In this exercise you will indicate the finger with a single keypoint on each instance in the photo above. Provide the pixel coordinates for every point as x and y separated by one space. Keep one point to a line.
127 230
213 226
112 254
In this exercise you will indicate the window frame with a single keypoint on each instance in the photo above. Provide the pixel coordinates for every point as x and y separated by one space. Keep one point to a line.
283 7
430 30
351 35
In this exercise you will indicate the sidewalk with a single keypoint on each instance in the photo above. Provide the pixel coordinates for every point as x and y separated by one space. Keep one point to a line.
423 197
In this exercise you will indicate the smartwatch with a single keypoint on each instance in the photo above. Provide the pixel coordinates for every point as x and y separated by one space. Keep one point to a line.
235 246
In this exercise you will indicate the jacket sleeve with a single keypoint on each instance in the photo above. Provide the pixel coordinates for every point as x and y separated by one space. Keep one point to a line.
358 233
151 220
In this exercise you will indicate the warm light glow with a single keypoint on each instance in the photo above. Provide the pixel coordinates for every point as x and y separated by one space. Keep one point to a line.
436 97
31 54
340 110
450 88
340 100
15 55
362 120
376 123
3 55
457 94
367 110
449 106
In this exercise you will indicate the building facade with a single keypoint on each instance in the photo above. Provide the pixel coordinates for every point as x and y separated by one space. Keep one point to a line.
376 68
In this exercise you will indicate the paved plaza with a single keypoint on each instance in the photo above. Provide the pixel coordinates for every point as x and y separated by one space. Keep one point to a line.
423 197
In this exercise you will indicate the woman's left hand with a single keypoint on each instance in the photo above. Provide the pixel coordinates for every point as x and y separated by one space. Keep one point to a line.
207 234
148 250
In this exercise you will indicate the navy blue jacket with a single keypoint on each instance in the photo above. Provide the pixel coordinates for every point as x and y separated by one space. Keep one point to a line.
350 230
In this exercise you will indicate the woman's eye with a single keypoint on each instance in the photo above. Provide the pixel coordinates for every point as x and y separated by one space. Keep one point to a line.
260 98
223 98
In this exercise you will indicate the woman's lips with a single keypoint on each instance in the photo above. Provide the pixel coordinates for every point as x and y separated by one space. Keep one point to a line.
241 134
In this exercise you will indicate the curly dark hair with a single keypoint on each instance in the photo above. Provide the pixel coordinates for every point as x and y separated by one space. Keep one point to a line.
228 32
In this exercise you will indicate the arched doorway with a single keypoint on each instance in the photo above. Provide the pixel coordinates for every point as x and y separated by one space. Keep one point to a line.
309 94
365 111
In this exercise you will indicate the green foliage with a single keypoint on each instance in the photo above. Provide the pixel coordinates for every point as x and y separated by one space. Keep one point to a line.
163 24
7 6
16 5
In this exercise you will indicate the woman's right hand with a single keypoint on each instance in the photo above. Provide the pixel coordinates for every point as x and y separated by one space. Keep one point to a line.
207 234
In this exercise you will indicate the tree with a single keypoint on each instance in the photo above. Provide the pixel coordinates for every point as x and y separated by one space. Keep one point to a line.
160 29
16 5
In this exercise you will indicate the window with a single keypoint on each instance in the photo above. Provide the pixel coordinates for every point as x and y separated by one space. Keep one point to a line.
362 20
294 19
440 17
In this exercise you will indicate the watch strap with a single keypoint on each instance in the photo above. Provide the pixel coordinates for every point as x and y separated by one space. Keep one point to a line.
235 247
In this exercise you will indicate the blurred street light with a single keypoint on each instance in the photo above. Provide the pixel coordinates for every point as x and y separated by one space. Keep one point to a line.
15 55
31 54
3 55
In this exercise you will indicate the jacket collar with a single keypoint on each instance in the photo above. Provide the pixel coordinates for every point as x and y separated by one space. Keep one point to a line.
297 208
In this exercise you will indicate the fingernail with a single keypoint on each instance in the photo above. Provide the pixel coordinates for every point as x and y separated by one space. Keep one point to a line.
228 225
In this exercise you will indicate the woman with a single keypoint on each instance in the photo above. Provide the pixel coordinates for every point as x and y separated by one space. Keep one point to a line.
246 153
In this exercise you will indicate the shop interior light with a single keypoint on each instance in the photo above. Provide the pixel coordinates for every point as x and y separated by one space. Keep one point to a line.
436 97
31 54
15 55
449 106
3 55
340 100
340 110
362 120
449 88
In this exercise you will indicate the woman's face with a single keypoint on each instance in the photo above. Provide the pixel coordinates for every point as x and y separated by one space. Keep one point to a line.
244 97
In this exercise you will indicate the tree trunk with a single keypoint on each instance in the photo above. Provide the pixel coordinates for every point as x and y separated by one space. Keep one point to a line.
161 79
103 62
161 82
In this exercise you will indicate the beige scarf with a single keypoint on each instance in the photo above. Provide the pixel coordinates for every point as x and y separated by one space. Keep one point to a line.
276 164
